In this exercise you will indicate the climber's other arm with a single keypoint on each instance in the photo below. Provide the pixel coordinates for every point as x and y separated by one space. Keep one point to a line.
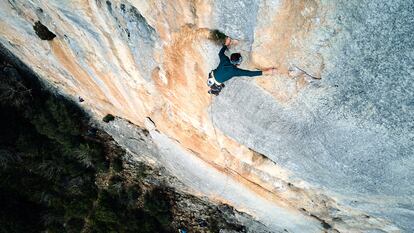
241 72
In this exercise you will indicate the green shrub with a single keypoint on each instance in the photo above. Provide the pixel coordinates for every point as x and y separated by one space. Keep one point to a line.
156 203
55 179
108 118
116 164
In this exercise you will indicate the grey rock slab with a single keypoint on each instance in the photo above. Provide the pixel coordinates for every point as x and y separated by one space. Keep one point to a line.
236 18
198 175
352 132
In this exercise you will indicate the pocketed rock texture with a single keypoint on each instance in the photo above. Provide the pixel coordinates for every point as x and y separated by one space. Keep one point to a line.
326 144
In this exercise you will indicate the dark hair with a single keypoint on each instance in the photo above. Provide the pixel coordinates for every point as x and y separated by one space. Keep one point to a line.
234 57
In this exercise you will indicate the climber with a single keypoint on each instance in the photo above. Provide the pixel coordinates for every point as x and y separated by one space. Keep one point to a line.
228 69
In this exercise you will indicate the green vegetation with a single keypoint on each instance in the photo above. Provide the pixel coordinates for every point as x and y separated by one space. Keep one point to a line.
60 175
108 118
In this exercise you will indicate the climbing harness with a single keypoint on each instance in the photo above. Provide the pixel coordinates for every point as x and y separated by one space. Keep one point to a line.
215 86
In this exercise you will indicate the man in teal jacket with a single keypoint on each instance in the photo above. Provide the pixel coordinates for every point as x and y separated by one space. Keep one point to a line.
228 69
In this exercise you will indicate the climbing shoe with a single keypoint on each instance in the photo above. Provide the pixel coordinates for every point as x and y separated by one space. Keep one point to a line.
212 92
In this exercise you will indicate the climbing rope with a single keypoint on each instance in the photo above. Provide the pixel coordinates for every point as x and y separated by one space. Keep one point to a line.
212 120
221 148
226 167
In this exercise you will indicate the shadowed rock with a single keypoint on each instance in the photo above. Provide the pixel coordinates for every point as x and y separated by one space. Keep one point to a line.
43 32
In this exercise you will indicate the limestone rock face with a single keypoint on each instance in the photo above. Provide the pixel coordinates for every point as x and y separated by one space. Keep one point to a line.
326 144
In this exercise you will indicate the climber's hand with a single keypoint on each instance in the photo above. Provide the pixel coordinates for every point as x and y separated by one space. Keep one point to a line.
228 41
234 42
269 71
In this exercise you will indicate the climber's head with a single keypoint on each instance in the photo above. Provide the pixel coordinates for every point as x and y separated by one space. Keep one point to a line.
236 59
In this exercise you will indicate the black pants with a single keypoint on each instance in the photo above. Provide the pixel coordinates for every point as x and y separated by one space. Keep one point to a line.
215 89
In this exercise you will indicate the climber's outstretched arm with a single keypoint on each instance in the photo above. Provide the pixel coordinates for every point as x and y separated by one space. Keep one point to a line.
241 72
